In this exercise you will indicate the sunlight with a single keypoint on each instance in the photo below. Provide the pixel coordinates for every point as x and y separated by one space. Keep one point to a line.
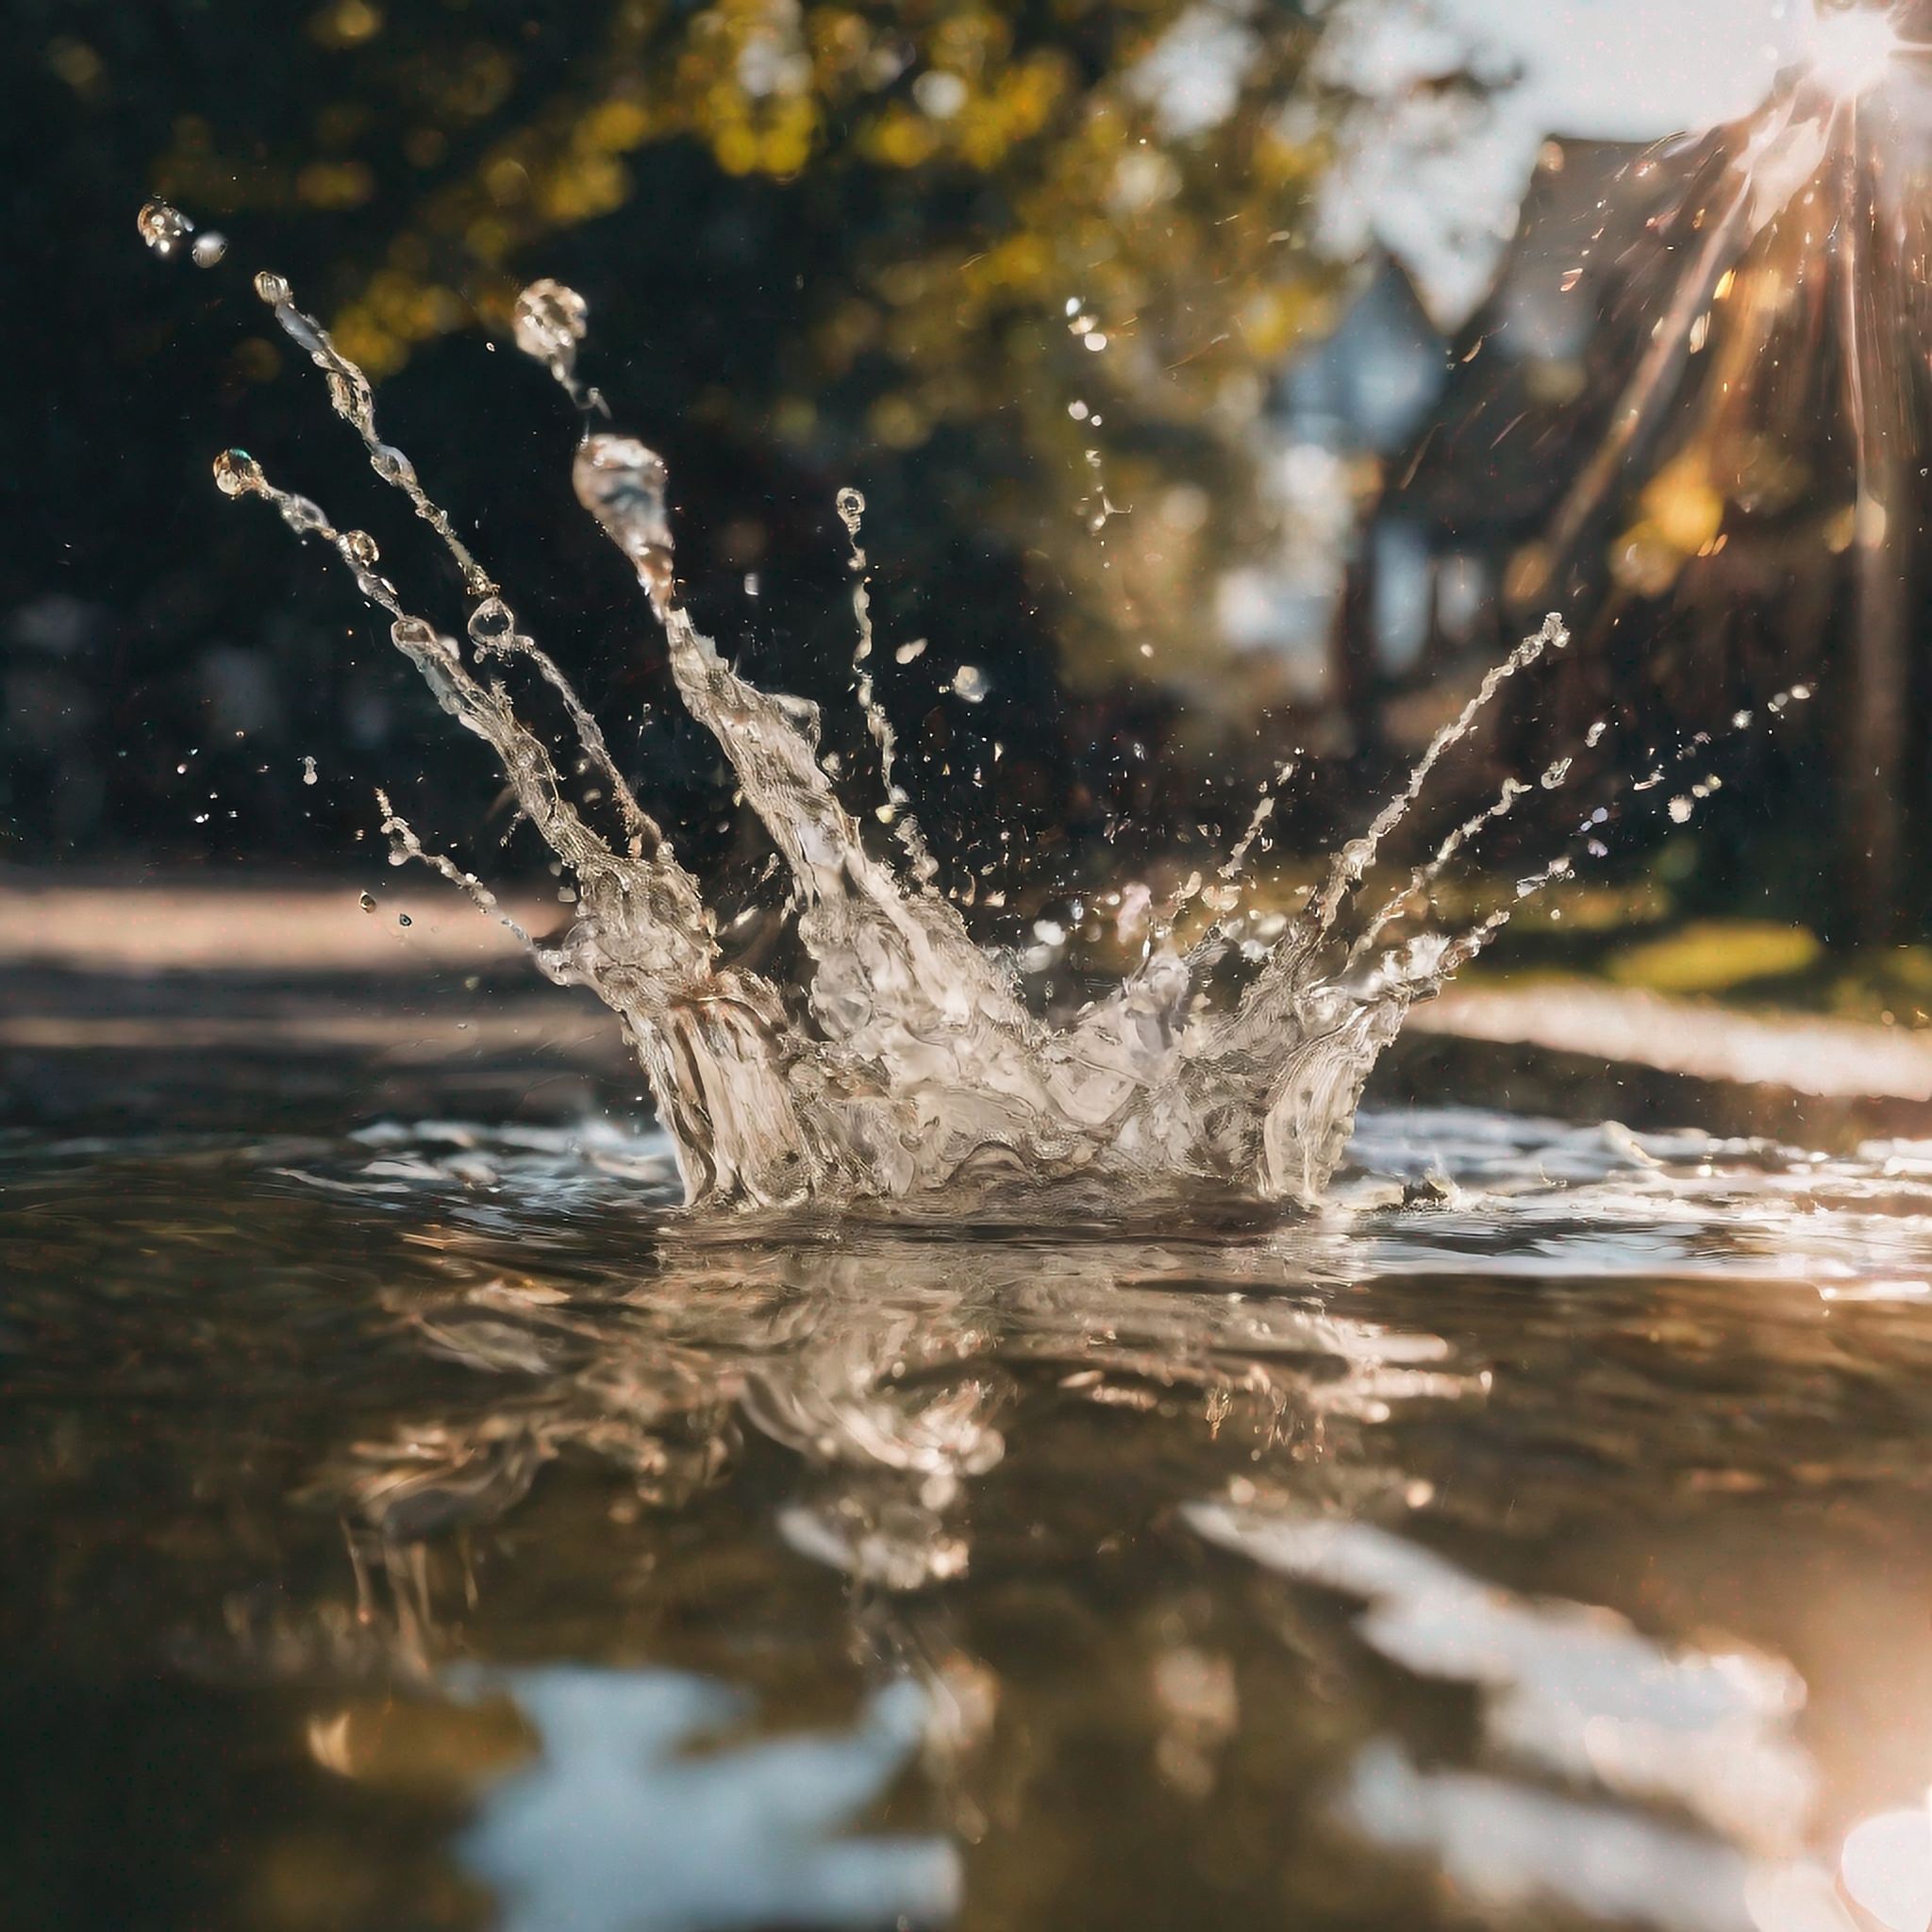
1849 52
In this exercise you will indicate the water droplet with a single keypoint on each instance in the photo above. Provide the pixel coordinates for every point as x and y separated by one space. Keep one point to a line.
622 484
1680 811
358 546
236 472
970 683
271 287
1555 774
348 388
906 653
413 633
306 335
492 623
851 507
1593 737
404 918
162 228
367 902
377 589
1739 719
209 248
308 771
392 465
303 514
550 321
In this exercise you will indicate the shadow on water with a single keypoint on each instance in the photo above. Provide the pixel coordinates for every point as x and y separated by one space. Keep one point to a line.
440 1516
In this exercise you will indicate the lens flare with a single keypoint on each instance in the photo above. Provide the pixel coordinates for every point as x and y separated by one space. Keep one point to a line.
1849 51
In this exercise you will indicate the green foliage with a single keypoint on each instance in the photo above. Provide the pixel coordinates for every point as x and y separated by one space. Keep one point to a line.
1012 247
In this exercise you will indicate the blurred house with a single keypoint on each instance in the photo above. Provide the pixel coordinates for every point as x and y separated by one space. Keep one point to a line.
1609 439
1463 446
1344 409
1408 468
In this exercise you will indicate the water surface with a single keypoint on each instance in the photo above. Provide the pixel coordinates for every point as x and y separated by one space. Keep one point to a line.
437 1527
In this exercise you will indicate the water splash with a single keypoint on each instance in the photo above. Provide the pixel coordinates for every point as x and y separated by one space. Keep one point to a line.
915 1073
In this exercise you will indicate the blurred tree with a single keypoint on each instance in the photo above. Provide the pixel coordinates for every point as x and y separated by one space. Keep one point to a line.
1070 233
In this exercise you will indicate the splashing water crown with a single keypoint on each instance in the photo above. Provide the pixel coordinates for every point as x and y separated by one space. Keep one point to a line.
914 1075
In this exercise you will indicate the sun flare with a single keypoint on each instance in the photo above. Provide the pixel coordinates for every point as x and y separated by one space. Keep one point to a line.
1849 51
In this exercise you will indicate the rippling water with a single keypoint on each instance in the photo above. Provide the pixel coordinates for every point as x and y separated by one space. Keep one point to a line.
435 1524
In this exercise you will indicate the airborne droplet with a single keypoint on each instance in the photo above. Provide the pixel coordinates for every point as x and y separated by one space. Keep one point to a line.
271 287
163 228
492 623
236 472
367 902
550 321
209 248
622 484
358 546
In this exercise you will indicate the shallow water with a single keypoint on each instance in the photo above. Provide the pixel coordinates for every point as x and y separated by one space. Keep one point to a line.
974 1577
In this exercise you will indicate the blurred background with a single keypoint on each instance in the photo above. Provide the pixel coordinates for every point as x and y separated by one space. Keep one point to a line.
1229 384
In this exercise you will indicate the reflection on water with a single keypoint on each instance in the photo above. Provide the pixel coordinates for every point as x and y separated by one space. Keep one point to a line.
1514 1846
620 1826
1572 1691
1538 1529
1577 1694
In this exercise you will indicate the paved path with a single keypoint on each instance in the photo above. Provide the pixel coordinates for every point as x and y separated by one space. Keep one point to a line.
1831 1059
180 925
297 930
